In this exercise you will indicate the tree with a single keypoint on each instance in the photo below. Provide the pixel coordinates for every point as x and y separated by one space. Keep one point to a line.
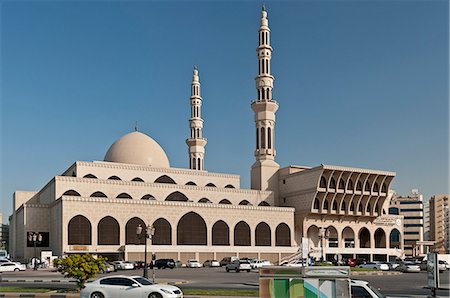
79 267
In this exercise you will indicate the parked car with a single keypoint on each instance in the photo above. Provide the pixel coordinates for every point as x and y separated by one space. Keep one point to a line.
442 265
193 264
11 266
239 265
211 263
107 268
122 265
128 286
260 263
351 262
227 260
296 263
369 265
361 288
408 267
164 263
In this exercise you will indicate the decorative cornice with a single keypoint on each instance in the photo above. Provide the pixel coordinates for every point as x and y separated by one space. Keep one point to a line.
174 203
359 170
163 185
120 166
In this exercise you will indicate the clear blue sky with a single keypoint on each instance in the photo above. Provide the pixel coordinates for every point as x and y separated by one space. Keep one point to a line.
359 83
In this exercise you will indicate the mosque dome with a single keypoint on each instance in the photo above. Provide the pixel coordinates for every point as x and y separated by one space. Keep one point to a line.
139 149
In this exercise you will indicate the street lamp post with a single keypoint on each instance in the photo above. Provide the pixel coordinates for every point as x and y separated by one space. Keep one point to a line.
35 237
324 234
146 232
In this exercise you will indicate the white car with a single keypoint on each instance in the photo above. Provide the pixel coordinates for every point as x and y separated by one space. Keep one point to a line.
122 265
119 286
260 263
211 263
11 266
193 264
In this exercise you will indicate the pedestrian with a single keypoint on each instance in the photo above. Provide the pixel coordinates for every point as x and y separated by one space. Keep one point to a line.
35 265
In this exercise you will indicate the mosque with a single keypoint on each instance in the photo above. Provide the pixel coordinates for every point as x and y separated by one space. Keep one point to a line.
95 207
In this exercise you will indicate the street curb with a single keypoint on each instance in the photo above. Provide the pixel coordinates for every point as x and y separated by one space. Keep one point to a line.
42 295
375 273
35 280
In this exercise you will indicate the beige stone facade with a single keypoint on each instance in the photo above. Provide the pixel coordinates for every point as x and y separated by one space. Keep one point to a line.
96 206
439 223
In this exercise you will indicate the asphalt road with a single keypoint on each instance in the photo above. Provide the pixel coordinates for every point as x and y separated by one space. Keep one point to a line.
412 284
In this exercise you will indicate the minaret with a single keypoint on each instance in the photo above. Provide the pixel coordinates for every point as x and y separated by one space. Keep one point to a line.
264 170
196 142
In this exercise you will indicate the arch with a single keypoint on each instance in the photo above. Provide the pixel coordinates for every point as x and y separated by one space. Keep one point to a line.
316 203
130 231
368 208
334 205
332 236
350 184
394 239
242 234
263 203
114 178
225 201
108 231
263 137
282 235
383 187
148 197
191 230
367 186
90 176
220 233
191 183
348 235
323 182
352 206
79 231
380 238
204 200
124 195
71 192
229 186
210 185
269 131
98 194
375 187
343 206
341 184
360 209
137 179
262 235
244 202
313 235
177 196
257 133
359 186
364 238
325 204
332 183
166 179
163 232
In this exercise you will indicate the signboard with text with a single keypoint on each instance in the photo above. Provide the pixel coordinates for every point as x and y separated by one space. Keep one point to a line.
432 270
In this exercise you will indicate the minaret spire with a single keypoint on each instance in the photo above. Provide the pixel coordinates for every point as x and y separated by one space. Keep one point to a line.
265 168
196 142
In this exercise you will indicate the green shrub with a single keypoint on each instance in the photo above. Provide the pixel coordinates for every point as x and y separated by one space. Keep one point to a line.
79 267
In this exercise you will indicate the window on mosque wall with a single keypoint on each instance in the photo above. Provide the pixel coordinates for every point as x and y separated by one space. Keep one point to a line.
262 235
191 230
79 231
325 205
229 186
98 194
364 238
90 176
242 234
334 206
380 238
137 179
165 179
269 138
350 185
332 183
263 138
71 192
130 231
124 195
263 203
148 197
368 208
283 235
343 206
352 206
204 200
225 201
163 232
177 196
257 138
220 233
383 188
367 187
375 187
393 210
108 231
210 185
359 186
360 209
114 178
190 183
244 202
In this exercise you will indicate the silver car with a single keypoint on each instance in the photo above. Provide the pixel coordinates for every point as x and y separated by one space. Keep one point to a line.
239 265
119 286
